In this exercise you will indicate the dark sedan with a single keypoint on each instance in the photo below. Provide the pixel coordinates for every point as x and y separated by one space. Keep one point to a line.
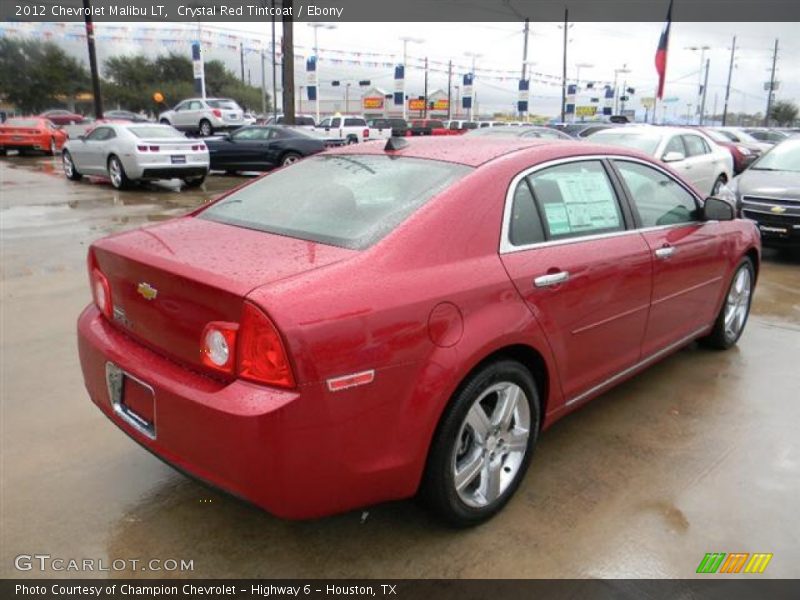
769 193
261 148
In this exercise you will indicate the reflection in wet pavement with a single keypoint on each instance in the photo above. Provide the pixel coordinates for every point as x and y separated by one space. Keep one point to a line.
698 454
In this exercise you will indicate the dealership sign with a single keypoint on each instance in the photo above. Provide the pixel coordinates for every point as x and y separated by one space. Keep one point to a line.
372 102
416 104
586 111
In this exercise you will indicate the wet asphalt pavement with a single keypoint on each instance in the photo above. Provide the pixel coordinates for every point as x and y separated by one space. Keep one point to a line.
701 453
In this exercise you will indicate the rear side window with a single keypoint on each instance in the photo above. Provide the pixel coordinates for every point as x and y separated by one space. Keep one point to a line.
223 104
347 200
355 123
525 226
658 198
576 199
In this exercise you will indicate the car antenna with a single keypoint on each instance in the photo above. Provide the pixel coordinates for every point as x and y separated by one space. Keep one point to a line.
395 143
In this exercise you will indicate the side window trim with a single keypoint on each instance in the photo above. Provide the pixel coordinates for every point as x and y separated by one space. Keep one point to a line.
637 219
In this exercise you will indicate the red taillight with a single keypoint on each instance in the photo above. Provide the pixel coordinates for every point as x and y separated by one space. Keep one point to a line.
141 148
261 356
154 148
219 346
217 113
101 292
199 147
366 133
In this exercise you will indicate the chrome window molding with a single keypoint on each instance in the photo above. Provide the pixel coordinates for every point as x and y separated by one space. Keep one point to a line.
506 247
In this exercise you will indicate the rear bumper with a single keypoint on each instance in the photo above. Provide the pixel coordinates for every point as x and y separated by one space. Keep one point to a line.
170 172
282 450
8 143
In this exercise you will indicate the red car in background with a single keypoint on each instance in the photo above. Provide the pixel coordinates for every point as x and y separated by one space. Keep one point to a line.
743 153
31 134
62 117
372 322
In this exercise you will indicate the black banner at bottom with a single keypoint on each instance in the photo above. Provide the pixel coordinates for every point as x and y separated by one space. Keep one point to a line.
716 588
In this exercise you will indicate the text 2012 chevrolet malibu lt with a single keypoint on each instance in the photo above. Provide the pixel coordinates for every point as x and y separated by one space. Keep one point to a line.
374 322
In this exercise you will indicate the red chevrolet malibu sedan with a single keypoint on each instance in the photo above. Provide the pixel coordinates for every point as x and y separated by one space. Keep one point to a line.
373 322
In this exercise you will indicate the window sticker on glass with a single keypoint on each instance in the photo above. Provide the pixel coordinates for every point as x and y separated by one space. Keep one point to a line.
576 199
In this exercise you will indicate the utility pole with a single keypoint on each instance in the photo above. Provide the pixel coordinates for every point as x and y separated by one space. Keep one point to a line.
288 64
705 91
241 58
700 88
771 84
728 86
274 74
526 30
98 100
263 84
425 114
564 70
449 87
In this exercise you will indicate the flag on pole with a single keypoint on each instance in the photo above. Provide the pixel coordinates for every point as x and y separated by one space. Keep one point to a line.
661 53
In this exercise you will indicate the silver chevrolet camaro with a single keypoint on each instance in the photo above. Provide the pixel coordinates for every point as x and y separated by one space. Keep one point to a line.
130 152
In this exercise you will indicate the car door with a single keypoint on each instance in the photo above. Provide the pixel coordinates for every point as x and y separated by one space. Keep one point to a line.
89 154
570 246
688 254
701 162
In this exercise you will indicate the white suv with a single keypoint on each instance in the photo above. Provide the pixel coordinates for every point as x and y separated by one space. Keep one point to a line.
204 115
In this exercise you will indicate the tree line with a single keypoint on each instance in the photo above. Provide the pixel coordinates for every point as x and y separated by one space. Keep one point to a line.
37 75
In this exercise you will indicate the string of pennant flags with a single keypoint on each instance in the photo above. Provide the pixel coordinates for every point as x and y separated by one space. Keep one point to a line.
220 40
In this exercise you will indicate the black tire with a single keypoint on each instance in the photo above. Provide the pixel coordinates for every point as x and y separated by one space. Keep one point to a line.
718 183
289 158
231 172
69 166
3 151
352 139
204 128
194 182
165 122
438 488
119 179
722 336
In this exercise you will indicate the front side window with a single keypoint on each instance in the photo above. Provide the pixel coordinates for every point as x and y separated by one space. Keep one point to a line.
675 144
659 199
249 134
350 201
335 122
100 134
576 199
323 123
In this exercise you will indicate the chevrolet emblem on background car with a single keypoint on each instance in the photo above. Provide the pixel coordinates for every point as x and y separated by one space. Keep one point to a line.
778 210
147 291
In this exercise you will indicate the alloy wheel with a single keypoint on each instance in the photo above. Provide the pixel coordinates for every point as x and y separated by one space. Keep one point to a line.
115 172
737 304
491 444
69 168
52 147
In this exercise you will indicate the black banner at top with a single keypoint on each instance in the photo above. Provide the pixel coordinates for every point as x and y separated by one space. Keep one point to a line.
401 10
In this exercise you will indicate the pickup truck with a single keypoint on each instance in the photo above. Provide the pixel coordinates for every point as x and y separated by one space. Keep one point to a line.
428 127
351 129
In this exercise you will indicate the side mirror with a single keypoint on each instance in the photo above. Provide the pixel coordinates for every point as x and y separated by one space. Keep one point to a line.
673 157
82 138
717 209
225 136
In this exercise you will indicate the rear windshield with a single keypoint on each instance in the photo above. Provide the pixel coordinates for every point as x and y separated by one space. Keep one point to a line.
350 201
22 123
224 104
155 131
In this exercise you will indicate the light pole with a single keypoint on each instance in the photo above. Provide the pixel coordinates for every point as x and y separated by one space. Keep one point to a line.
624 70
317 27
406 40
474 56
702 50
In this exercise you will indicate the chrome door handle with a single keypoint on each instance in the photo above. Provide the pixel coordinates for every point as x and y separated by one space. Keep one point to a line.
665 252
551 279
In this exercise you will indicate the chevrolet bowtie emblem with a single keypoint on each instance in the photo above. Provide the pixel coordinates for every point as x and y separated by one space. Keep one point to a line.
147 291
778 210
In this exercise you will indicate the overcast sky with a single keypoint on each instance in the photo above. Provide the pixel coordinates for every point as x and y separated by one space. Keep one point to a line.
605 46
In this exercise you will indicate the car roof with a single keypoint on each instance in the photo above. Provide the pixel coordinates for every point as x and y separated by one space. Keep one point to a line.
480 150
